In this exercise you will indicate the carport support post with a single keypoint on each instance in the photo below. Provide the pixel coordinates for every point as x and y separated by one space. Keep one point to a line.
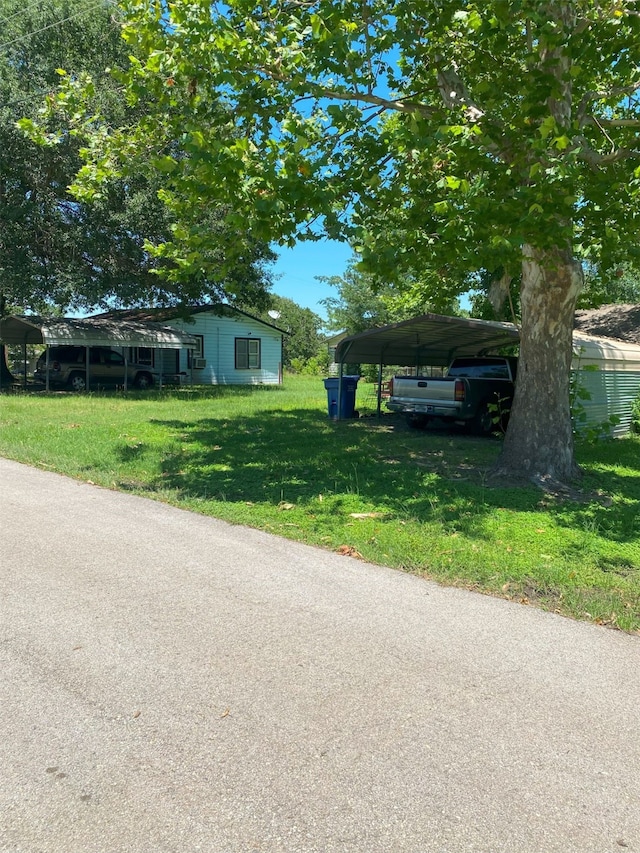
46 384
126 368
379 404
24 363
86 364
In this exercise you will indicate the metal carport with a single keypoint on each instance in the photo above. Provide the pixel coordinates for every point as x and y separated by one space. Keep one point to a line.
90 332
431 339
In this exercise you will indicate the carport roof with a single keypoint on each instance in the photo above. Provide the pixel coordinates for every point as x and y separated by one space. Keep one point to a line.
58 331
430 339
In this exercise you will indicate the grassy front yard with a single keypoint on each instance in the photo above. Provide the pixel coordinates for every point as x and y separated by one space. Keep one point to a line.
421 502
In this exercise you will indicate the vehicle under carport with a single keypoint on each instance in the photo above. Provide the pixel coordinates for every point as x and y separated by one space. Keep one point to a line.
94 332
430 339
609 369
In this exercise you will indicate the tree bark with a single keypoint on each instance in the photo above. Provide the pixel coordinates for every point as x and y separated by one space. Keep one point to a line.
539 441
6 377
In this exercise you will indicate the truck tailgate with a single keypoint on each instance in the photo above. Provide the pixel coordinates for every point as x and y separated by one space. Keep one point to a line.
426 396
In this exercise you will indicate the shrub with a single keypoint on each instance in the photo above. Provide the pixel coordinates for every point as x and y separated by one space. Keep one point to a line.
635 415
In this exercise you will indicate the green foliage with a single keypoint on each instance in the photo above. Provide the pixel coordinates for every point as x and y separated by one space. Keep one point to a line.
602 287
303 339
364 300
316 365
499 409
47 241
391 129
635 415
112 245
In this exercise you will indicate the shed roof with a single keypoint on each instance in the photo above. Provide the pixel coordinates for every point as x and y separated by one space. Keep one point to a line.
428 339
94 331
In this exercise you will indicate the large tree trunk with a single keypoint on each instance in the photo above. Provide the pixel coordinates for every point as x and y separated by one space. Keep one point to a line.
538 445
6 377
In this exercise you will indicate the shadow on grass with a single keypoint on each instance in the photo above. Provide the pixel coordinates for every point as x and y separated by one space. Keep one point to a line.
297 455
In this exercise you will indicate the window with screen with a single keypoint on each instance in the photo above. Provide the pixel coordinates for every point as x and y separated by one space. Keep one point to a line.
247 353
197 351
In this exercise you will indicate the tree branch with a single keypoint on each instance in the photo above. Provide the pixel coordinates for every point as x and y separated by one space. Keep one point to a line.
455 94
585 152
400 105
615 94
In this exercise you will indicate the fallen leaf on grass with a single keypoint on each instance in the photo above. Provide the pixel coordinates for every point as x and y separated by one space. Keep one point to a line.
366 515
349 551
285 505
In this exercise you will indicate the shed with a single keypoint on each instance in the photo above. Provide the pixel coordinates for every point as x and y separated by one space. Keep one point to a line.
609 370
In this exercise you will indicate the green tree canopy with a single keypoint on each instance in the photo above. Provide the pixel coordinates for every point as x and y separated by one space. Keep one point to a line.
446 135
362 301
57 251
302 326
619 284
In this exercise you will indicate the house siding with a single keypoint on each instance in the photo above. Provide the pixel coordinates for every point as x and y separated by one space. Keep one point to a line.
219 335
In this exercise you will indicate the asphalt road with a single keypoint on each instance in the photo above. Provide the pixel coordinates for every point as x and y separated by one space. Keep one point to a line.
170 683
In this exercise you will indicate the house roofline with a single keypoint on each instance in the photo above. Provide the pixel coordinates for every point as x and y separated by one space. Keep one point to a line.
180 312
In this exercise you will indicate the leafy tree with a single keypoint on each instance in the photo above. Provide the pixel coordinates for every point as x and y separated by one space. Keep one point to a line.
302 325
620 284
446 135
363 301
43 231
58 252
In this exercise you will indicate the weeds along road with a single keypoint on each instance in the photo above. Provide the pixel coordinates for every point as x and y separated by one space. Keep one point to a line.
171 683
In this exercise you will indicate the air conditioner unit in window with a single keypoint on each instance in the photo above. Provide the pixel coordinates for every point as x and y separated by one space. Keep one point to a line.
199 363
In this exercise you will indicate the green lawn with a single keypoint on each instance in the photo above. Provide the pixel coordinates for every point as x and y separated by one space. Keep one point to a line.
417 501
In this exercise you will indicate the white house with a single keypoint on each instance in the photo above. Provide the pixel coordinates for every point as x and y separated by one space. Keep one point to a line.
232 347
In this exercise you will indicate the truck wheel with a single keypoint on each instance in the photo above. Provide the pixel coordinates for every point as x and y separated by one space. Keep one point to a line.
482 422
417 421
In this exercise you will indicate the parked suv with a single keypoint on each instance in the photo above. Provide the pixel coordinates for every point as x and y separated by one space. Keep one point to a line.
68 369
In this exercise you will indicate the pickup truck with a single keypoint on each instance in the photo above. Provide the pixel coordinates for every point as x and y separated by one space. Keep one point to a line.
463 396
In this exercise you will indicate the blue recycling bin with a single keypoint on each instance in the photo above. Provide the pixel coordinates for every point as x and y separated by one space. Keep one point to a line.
348 402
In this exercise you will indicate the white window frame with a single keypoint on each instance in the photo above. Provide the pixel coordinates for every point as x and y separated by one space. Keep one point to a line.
248 357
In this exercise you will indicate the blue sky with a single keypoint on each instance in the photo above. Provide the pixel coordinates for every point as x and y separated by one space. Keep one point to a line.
296 269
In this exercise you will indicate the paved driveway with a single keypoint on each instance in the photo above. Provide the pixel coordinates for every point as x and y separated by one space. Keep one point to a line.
172 683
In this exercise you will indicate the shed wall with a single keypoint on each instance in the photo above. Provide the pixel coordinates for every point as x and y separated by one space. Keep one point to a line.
609 371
